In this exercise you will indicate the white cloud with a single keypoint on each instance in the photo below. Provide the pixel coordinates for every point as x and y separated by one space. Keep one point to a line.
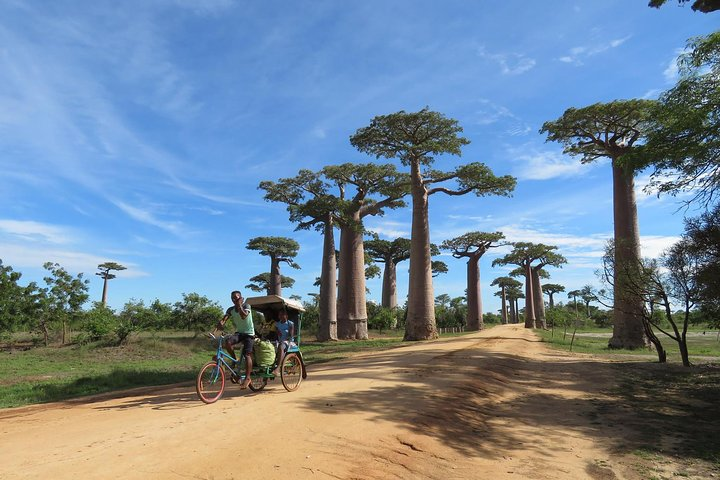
35 231
578 54
544 165
510 63
146 216
652 246
671 72
387 228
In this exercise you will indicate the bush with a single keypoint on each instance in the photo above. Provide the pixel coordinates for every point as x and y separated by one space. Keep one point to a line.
97 323
383 319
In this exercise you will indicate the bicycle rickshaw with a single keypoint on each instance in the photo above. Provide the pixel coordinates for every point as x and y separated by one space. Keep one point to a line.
211 380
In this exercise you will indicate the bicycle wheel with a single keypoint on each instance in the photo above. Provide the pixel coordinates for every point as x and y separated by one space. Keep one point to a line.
291 372
210 383
258 382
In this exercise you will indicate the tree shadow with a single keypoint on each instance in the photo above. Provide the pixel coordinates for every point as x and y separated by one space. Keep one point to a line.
469 398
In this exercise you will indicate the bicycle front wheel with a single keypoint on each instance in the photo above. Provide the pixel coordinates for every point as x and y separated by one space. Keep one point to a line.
210 383
291 372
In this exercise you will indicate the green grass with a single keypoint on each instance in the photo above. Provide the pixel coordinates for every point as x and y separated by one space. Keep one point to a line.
30 375
702 348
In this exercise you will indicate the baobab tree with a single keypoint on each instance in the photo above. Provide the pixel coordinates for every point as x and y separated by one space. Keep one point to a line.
514 294
473 246
611 130
389 253
551 289
310 205
523 255
262 282
105 274
548 259
574 294
587 294
415 138
280 250
504 283
359 185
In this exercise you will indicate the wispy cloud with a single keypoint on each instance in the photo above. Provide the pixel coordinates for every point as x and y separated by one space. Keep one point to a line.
510 63
389 229
576 55
149 217
35 231
672 72
531 164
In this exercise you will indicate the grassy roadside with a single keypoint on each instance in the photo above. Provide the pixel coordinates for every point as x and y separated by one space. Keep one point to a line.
49 374
703 348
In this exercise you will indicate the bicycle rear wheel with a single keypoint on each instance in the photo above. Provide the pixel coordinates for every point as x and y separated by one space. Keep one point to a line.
291 372
258 382
210 383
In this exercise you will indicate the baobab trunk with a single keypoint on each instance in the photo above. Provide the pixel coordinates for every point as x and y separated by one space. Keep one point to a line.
538 302
389 285
474 302
275 285
504 305
352 309
529 303
104 294
420 324
628 329
327 328
513 313
551 303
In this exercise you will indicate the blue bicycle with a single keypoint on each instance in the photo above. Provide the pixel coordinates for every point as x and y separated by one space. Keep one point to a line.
211 380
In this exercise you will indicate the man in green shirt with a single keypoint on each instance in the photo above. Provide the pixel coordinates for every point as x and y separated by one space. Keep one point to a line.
244 332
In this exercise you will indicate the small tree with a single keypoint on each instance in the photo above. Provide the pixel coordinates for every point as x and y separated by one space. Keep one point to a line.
66 295
104 273
196 312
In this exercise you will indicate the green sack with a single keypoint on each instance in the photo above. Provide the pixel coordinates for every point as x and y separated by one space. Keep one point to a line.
264 353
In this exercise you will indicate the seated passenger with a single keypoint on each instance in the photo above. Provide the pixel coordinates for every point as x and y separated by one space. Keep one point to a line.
286 335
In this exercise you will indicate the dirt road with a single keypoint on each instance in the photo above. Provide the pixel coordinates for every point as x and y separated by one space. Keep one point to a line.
493 405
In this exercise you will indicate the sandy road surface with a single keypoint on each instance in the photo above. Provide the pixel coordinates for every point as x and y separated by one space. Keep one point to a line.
492 405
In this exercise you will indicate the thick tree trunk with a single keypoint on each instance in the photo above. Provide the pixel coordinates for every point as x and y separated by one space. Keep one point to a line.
389 285
420 324
551 303
275 285
474 300
529 300
104 294
352 309
628 331
327 328
513 313
538 302
503 300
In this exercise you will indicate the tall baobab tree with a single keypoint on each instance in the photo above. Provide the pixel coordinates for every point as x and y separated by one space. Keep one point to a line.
310 205
365 190
415 138
280 250
389 253
504 283
588 295
473 246
523 255
551 259
551 289
514 294
104 273
611 130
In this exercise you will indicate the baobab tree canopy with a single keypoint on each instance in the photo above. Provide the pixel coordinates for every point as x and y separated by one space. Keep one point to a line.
262 282
410 137
600 130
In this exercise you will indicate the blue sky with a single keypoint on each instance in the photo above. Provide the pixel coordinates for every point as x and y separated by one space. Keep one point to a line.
139 134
